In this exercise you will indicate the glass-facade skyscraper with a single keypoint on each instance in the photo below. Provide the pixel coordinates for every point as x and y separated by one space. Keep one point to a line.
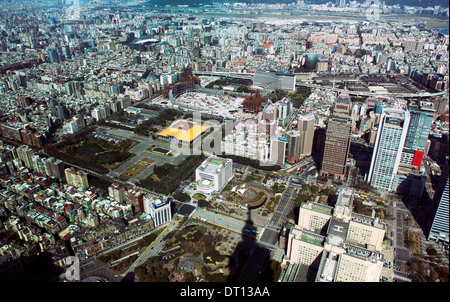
388 148
419 128
439 228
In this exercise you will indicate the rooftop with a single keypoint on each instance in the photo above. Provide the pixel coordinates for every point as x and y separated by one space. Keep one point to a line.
183 130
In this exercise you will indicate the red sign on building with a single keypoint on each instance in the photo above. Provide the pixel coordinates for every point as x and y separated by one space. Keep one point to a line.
417 160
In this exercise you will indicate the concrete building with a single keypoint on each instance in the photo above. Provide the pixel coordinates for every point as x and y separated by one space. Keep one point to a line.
54 168
213 174
439 227
354 264
337 140
270 112
76 178
293 146
305 247
25 154
366 230
117 192
159 210
99 113
278 151
306 128
314 217
273 80
284 112
339 244
250 138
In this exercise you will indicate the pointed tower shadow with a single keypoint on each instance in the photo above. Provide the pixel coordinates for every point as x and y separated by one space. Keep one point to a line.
249 261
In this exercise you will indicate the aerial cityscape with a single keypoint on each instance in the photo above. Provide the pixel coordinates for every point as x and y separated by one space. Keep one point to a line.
274 141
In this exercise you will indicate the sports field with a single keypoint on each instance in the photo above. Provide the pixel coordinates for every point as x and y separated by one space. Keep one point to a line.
138 167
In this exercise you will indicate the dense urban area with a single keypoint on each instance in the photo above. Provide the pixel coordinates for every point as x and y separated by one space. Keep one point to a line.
253 141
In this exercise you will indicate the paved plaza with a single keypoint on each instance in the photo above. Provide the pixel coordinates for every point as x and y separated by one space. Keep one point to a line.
141 152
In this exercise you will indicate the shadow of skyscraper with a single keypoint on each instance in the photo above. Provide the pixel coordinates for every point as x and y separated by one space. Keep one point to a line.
250 261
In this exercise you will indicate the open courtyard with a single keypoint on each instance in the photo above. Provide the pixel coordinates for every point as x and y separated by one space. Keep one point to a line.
138 167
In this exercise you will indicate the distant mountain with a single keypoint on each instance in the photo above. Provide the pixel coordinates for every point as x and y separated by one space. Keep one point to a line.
420 3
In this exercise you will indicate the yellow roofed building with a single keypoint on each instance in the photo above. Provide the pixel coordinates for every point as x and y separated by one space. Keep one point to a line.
184 132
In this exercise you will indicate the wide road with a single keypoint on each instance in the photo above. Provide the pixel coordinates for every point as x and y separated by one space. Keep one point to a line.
226 222
269 237
154 248
284 207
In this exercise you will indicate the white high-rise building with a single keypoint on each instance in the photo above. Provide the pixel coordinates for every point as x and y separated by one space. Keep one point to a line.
25 154
387 152
340 3
306 128
284 112
72 126
159 210
99 113
250 138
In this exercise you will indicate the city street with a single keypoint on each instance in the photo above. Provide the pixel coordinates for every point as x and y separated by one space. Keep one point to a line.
154 248
94 269
269 237
224 221
284 207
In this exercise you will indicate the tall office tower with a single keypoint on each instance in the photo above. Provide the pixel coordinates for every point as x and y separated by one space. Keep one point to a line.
388 147
159 210
278 151
340 3
61 111
439 228
284 112
306 129
337 139
421 118
410 179
390 65
38 164
53 55
293 146
25 154
99 113
54 168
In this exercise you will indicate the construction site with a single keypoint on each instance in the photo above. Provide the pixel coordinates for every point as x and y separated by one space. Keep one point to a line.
221 104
